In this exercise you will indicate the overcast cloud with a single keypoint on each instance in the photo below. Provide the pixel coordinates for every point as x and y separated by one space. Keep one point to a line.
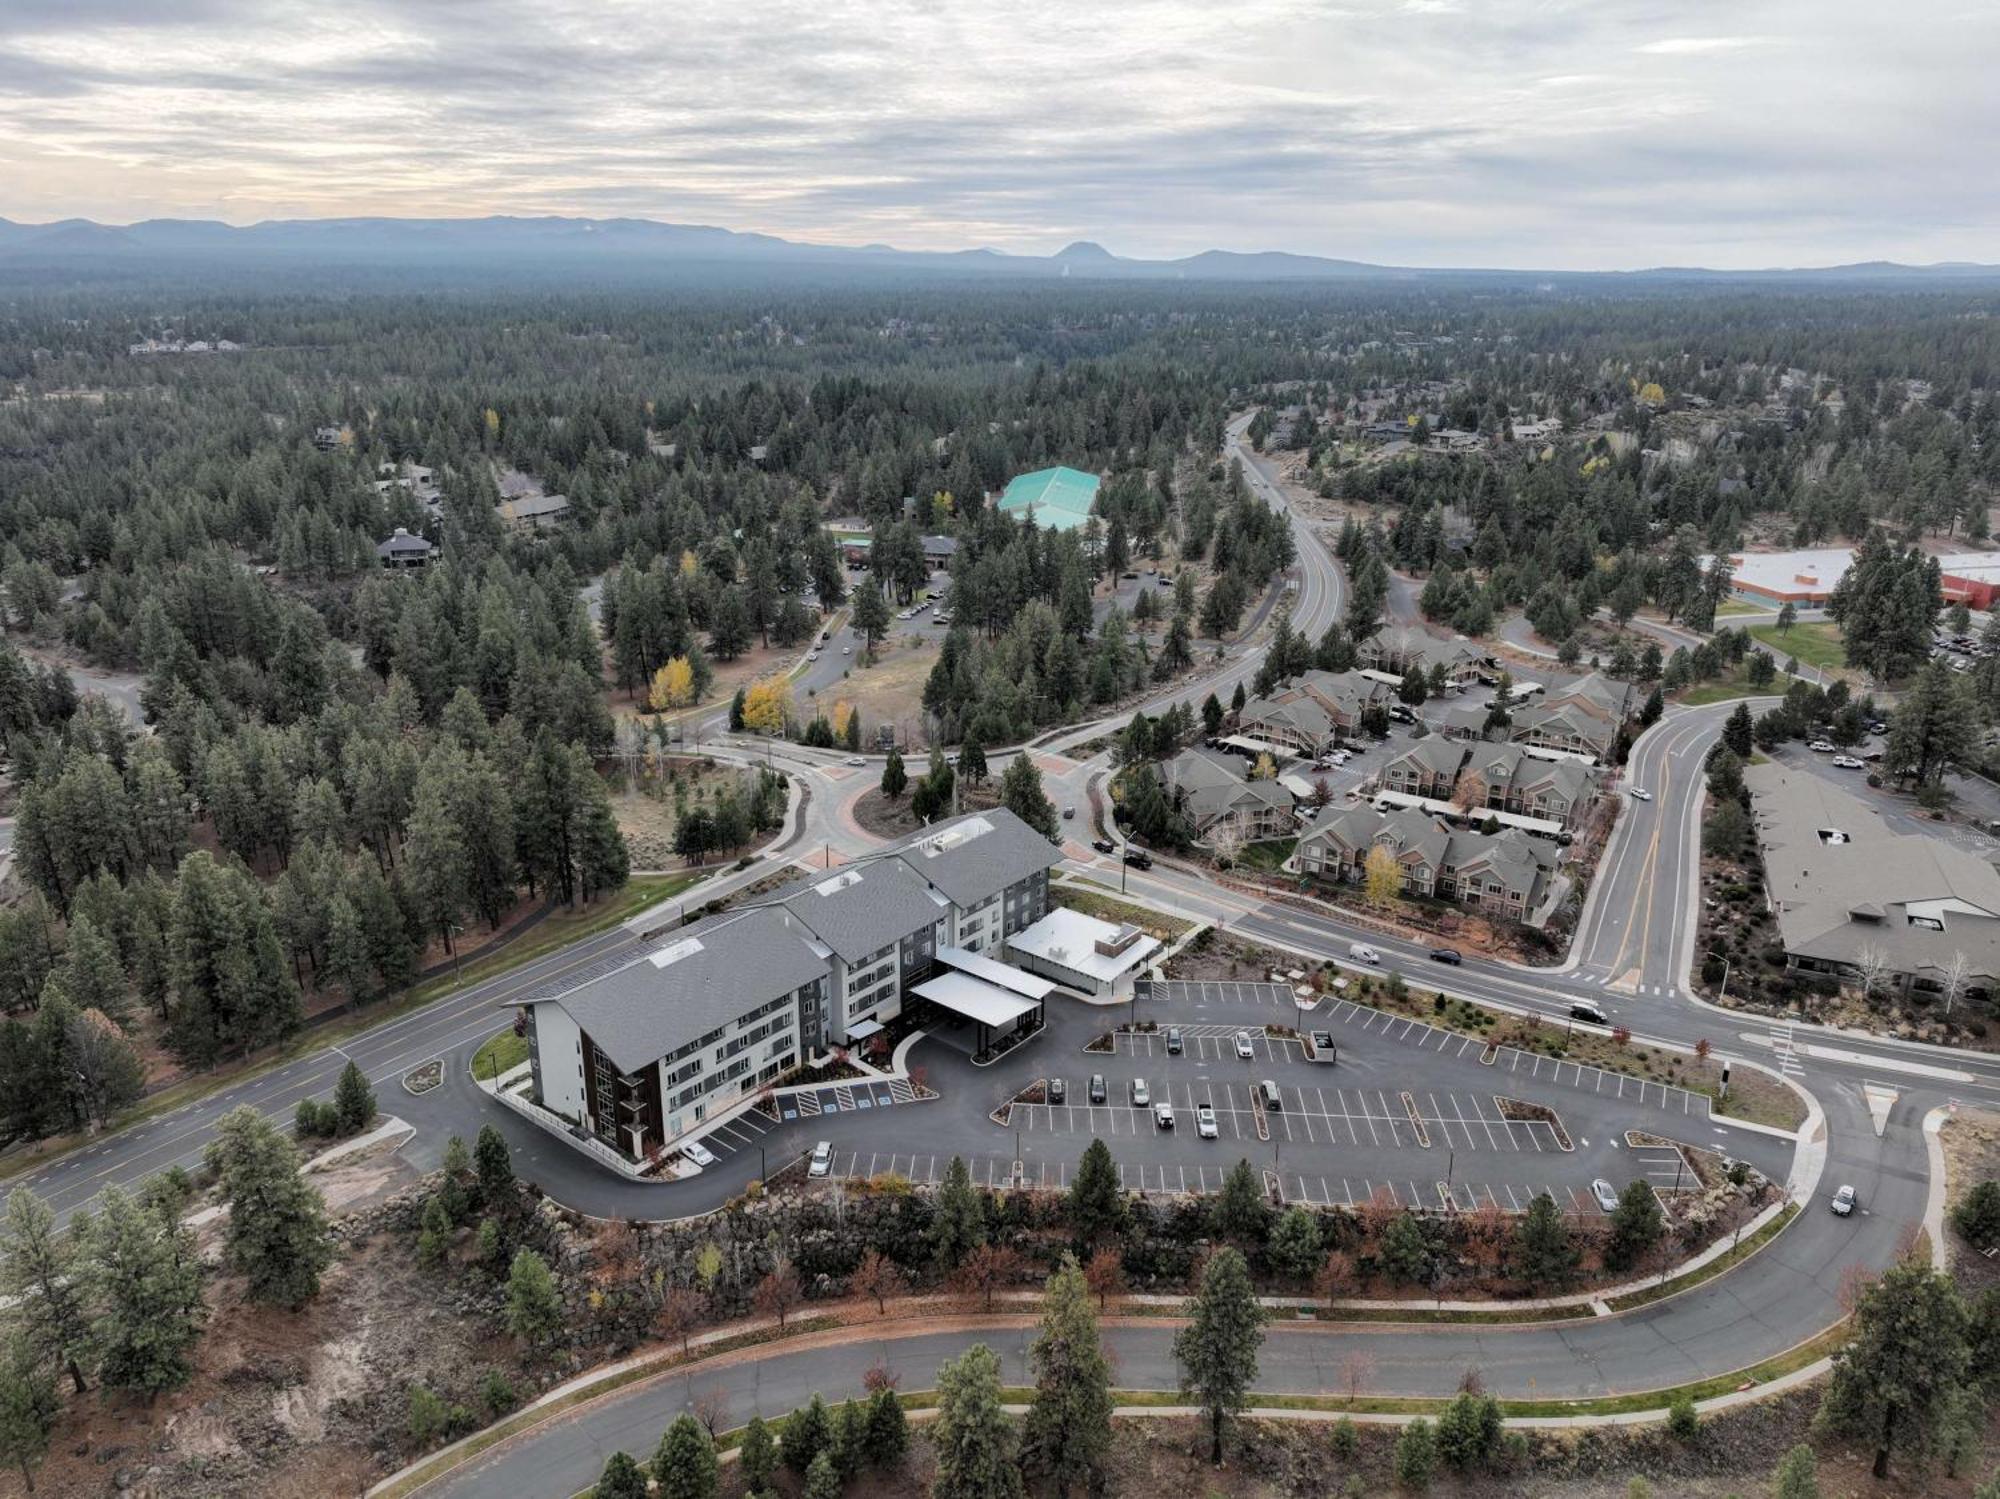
1551 133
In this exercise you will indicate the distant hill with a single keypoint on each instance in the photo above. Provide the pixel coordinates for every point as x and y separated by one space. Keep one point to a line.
503 242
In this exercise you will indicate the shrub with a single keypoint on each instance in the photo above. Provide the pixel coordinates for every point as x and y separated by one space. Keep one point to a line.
1416 1455
1346 1440
1681 1418
428 1417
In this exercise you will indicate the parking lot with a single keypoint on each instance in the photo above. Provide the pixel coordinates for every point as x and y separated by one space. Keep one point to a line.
1398 1108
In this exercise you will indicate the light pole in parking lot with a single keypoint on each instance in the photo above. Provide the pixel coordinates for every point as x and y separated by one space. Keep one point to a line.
1724 990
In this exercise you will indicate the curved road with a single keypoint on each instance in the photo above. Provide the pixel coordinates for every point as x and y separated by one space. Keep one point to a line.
1631 956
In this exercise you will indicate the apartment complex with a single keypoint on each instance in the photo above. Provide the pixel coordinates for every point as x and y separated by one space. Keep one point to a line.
649 1047
1509 778
1584 718
1505 874
1218 797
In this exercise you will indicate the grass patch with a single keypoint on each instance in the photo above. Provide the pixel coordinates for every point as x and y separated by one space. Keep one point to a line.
1817 643
1735 685
1105 905
1268 857
554 932
1727 1260
501 1053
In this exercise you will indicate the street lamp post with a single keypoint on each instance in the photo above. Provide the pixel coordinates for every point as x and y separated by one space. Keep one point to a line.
1723 992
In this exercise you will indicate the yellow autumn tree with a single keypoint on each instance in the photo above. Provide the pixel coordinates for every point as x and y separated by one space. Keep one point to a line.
767 706
1266 769
1383 875
673 685
843 711
690 564
1652 394
492 419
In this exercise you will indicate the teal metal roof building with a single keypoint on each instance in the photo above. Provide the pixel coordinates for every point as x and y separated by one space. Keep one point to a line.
1058 498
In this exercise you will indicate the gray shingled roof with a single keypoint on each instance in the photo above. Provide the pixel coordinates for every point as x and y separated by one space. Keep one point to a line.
643 1008
977 855
861 908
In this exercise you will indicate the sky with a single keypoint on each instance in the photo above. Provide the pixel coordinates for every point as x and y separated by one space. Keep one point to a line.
1557 134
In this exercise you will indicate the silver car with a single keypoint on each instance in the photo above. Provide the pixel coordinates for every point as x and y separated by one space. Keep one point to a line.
699 1153
822 1160
1843 1202
1607 1197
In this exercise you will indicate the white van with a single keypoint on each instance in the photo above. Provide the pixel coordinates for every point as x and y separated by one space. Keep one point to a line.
1361 952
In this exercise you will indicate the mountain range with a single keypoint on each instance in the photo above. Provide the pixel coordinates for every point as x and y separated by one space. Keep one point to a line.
635 244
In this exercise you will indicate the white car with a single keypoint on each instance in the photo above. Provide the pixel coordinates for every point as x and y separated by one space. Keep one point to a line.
856 760
1141 1095
1606 1195
847 650
1163 1115
699 1153
1821 746
1846 762
1243 1047
1204 1122
822 1160
1639 793
1843 1202
1361 952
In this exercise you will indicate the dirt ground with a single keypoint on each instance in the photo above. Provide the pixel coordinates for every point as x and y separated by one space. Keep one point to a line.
893 819
1971 1141
889 692
289 1405
648 814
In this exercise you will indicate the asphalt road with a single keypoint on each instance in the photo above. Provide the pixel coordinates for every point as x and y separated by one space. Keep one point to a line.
1632 955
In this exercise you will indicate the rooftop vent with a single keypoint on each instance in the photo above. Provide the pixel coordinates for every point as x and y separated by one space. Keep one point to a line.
673 952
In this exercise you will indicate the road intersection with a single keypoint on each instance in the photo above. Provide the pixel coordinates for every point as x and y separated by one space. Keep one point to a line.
1631 956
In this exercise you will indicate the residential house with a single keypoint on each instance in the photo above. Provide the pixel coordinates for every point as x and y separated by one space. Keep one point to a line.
939 551
1293 721
1222 803
1402 649
1504 874
1428 768
1530 785
1584 718
528 514
402 550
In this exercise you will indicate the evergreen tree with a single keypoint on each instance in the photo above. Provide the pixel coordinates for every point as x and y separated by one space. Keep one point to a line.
1416 1455
534 1305
353 1100
973 1437
39 1273
494 1168
1797 1475
1893 1383
894 776
144 1276
1096 1203
1218 1348
1737 731
1468 1431
808 1433
235 991
1241 1213
277 1234
1548 1256
871 615
1636 1226
28 1409
685 1467
958 1223
972 760
1068 1427
91 974
757 1456
850 1440
622 1478
888 1429
1295 1248
822 1478
1021 793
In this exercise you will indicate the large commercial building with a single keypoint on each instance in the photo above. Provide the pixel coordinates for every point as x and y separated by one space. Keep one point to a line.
1859 901
1059 499
646 1049
1804 579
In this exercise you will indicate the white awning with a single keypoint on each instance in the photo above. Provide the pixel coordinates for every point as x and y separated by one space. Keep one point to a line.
861 1030
975 999
1027 985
